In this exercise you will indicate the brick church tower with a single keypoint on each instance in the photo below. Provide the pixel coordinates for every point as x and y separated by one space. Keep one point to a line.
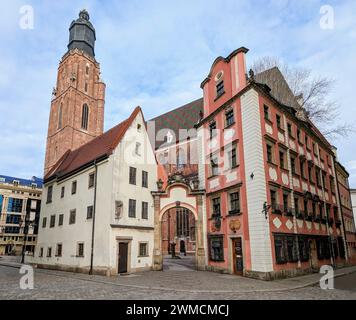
77 108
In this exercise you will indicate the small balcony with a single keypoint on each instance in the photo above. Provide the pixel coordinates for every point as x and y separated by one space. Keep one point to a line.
300 214
277 208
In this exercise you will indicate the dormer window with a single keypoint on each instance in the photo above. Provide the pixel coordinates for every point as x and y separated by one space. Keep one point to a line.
220 89
16 182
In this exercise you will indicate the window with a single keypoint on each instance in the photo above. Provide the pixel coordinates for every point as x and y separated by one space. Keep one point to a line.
138 149
181 159
216 207
86 86
220 89
87 70
85 116
232 154
306 207
285 202
302 168
60 220
49 194
214 166
229 117
212 128
132 178
62 192
144 179
72 216
299 136
216 248
52 221
289 126
49 252
132 208
279 121
269 149
15 205
234 203
41 253
296 205
144 213
139 127
310 174
303 248
59 250
44 222
90 211
281 159
60 111
266 112
318 177
74 187
292 163
91 180
306 141
143 247
80 250
285 249
273 199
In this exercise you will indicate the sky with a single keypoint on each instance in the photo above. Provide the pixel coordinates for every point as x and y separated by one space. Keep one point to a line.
156 53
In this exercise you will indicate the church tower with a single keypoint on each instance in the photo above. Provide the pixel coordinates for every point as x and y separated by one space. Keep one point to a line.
77 108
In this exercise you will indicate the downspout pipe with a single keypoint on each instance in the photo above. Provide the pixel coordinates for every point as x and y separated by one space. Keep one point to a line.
94 213
342 219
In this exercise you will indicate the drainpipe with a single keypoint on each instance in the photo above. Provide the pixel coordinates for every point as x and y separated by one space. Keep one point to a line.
342 217
93 227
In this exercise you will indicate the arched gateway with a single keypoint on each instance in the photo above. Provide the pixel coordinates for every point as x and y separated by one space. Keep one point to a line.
185 200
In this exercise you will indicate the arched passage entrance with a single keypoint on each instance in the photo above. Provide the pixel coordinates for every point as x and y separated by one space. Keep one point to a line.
178 229
179 210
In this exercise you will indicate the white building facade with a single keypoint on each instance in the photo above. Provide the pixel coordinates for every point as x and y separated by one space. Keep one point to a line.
97 209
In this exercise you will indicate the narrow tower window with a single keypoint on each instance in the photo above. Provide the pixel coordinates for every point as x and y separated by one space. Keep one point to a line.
85 116
60 111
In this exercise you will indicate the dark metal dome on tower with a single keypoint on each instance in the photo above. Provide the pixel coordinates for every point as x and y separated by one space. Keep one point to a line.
82 34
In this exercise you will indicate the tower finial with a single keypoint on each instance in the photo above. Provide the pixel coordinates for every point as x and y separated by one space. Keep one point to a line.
84 14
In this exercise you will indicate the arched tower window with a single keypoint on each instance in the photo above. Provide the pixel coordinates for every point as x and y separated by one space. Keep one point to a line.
60 114
85 116
181 159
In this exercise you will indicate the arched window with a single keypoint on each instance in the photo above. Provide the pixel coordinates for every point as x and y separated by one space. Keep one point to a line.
60 114
85 117
181 159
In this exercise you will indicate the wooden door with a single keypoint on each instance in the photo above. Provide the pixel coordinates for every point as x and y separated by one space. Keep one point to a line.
237 256
313 255
123 256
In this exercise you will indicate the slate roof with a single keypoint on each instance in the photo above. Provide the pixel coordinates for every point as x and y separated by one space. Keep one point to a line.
96 149
184 117
23 182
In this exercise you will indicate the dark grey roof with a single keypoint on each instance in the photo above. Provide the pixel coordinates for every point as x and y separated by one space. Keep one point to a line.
280 90
23 182
184 117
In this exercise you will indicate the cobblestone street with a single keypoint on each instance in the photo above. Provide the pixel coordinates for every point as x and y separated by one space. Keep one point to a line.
170 284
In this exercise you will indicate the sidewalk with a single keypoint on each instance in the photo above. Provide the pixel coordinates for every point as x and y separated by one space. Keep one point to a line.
194 281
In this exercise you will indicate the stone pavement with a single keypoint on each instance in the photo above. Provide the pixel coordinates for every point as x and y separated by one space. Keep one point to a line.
174 283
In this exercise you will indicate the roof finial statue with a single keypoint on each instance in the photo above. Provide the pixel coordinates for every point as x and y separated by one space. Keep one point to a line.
84 14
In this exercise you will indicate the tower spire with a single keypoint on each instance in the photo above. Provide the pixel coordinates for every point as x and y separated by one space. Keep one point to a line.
82 34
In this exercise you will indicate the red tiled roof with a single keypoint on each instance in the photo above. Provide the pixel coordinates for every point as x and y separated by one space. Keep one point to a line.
96 149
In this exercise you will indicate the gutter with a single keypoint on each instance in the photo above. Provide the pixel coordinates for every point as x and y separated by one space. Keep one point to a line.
93 226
